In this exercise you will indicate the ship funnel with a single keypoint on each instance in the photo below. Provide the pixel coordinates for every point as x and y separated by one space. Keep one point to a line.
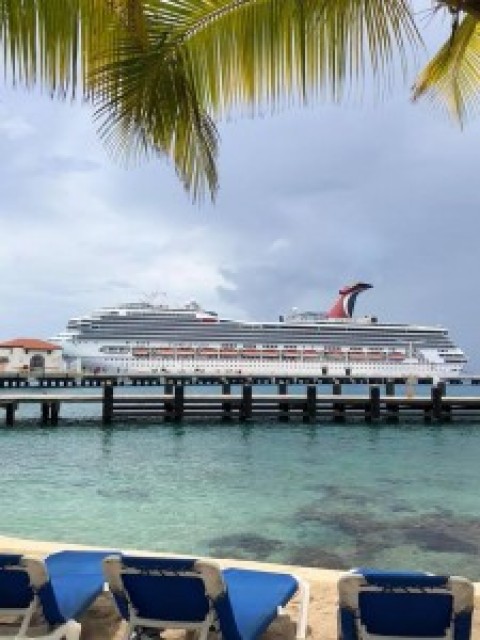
344 304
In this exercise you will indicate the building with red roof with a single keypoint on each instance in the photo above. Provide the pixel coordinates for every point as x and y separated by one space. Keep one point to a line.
23 355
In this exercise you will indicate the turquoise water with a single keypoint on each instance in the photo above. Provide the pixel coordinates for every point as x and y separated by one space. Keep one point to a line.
320 495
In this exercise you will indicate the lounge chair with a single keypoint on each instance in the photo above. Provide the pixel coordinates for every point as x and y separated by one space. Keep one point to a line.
196 595
61 587
381 604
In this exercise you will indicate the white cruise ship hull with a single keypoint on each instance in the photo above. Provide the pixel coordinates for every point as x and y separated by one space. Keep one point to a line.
143 338
84 359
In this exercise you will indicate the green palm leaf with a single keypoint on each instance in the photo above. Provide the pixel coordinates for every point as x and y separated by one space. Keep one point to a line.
213 56
147 104
159 70
54 42
452 77
268 53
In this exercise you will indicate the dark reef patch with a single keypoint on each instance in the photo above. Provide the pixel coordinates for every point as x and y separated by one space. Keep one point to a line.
443 534
440 531
311 556
245 545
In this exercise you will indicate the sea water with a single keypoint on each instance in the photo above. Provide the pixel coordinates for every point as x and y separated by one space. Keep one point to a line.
398 496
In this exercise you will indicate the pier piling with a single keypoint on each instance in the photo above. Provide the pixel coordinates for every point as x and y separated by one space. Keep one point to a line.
10 414
178 402
372 413
227 405
45 412
107 405
338 407
311 405
437 395
246 406
283 407
54 412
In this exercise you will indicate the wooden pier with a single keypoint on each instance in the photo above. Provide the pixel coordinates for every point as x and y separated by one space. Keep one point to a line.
71 380
175 404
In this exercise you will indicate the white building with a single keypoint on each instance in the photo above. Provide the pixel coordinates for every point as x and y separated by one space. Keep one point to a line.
23 355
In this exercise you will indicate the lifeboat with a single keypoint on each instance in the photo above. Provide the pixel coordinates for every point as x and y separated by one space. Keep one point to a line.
396 355
270 353
376 355
291 353
163 351
334 353
356 355
250 352
141 353
310 353
208 351
185 351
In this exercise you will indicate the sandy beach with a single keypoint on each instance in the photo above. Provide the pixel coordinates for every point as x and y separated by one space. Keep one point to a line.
102 622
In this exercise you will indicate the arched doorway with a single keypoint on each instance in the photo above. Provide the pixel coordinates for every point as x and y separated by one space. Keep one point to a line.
37 362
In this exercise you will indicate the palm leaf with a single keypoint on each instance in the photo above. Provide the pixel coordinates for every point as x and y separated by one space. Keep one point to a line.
147 104
214 56
54 43
452 78
268 53
105 50
158 70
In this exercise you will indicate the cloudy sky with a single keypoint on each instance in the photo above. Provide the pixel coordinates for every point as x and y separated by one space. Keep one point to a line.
310 200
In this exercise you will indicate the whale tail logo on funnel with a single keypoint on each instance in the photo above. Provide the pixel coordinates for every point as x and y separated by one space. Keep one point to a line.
345 303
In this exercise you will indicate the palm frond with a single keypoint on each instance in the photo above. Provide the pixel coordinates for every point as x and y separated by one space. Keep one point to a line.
147 106
452 78
54 43
159 70
268 53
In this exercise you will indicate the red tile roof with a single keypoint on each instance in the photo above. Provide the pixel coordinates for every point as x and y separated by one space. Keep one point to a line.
29 343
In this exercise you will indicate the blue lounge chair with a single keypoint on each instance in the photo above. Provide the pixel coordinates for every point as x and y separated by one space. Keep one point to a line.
61 587
196 595
377 605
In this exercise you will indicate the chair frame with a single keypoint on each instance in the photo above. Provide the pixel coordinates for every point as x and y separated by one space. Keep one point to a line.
38 576
209 573
351 584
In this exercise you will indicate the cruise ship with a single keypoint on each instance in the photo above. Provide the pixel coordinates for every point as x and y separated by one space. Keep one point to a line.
148 338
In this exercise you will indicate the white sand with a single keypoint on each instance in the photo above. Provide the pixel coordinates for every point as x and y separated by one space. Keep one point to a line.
102 623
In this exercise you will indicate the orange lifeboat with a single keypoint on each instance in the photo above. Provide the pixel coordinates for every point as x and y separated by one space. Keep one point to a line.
208 351
163 351
228 352
356 354
140 353
185 351
334 353
270 353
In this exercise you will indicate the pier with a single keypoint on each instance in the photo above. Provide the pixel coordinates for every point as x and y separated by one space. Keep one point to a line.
73 380
241 399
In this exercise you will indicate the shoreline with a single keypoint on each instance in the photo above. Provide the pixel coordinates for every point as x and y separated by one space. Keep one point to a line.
102 623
